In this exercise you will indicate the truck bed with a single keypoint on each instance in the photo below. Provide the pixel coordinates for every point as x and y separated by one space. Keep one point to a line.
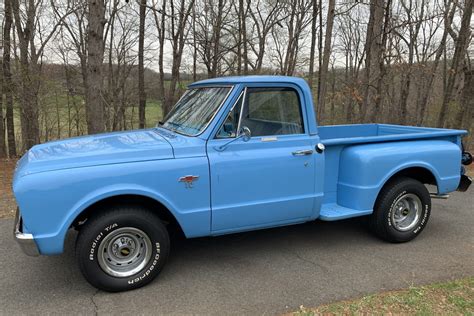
338 138
370 133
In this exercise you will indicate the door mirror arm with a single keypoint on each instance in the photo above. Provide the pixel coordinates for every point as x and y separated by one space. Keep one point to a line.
244 133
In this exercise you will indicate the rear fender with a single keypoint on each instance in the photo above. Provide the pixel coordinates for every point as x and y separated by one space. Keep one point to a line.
364 169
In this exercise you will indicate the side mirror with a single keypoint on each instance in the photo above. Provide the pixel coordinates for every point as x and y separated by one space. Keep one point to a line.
245 133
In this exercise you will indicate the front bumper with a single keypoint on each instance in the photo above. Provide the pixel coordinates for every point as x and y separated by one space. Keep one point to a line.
26 241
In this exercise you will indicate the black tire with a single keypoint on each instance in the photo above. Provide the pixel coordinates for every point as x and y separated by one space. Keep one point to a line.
115 222
383 221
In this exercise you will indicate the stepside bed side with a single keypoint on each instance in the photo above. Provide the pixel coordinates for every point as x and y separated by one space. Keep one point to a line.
364 169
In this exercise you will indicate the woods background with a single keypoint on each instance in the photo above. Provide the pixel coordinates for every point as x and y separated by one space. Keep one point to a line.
79 67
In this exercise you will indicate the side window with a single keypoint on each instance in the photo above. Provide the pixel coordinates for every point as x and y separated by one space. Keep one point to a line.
230 125
272 111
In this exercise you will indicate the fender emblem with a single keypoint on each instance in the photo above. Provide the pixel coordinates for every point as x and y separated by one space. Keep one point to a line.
188 181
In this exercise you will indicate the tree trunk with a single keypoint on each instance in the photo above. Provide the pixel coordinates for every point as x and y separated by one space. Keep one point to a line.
111 96
141 67
464 116
462 44
327 52
320 47
374 114
29 97
244 38
3 149
194 46
406 76
178 29
216 46
239 41
160 27
7 77
448 19
95 43
313 43
374 49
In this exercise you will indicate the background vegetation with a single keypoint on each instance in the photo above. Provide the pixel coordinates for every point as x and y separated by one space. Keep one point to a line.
74 67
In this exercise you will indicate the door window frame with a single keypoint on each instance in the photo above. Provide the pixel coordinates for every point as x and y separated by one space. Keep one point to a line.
243 93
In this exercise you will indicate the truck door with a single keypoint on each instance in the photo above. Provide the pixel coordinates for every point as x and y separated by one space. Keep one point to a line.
269 178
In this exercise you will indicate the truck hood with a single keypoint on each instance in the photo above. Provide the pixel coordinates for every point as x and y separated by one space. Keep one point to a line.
94 150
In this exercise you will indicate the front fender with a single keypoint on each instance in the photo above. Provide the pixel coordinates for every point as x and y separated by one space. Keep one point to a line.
51 201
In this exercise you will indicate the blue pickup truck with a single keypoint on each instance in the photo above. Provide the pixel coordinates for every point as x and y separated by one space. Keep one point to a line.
234 154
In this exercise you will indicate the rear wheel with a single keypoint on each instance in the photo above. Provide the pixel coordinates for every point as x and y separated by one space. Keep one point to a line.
123 248
402 210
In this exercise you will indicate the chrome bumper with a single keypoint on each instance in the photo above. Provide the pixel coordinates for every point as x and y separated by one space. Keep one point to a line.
26 241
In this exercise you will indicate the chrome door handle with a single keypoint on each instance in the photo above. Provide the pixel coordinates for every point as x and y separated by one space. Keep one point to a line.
302 152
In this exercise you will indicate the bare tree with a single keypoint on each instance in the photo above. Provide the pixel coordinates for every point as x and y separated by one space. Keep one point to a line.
351 32
28 25
29 69
159 14
465 116
7 77
265 18
141 66
415 13
95 55
122 30
3 148
313 42
326 55
178 28
242 53
75 33
377 31
449 11
462 42
288 42
212 35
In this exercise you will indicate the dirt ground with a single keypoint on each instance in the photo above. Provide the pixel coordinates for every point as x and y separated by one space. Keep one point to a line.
7 202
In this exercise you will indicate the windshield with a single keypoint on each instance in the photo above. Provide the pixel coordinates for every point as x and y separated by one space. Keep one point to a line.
195 109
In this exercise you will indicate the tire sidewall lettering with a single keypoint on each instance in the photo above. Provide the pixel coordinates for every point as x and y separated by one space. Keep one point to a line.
148 271
389 214
423 220
97 240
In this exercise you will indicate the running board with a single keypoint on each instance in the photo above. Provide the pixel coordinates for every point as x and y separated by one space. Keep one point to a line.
334 212
439 196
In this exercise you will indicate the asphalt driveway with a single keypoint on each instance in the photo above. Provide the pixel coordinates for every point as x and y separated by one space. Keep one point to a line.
264 272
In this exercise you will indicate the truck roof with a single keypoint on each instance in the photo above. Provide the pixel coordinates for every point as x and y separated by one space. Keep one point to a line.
251 79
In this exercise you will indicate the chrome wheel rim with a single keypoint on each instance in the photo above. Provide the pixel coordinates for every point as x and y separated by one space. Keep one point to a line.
406 212
124 252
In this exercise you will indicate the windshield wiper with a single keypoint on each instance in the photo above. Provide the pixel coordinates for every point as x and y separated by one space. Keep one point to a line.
175 125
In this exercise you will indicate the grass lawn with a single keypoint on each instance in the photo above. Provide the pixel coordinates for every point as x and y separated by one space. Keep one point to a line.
446 298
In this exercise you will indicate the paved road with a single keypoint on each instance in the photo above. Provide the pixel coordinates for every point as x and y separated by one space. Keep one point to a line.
264 272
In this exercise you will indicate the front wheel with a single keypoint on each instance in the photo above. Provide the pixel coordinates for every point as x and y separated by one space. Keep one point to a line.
123 248
402 210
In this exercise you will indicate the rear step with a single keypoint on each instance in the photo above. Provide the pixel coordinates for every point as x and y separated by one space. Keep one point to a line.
439 196
334 212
